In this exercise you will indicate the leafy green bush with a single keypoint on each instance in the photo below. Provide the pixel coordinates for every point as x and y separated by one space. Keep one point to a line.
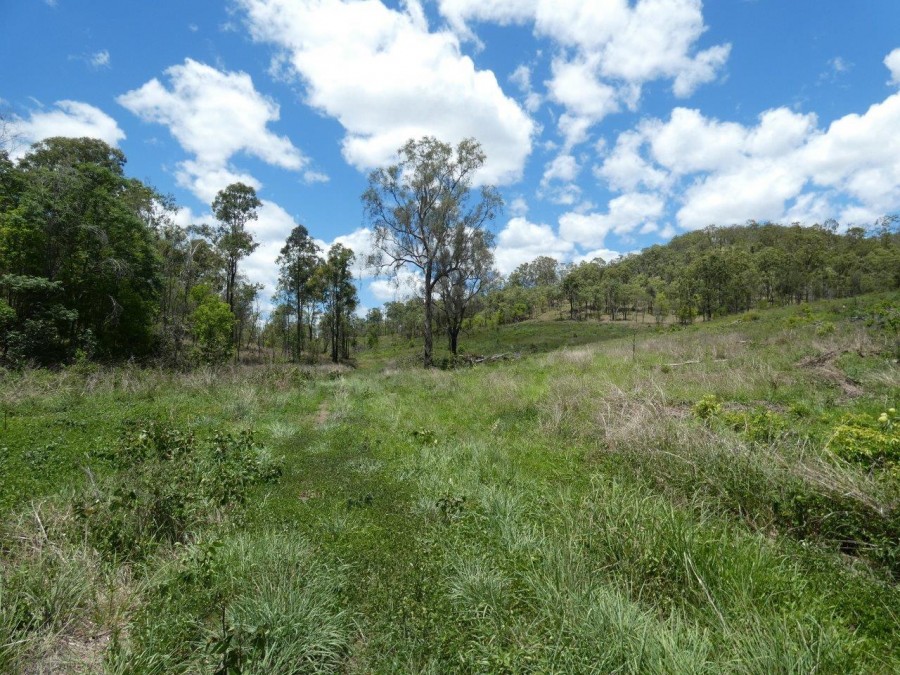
854 527
759 426
825 328
213 323
169 484
870 441
707 408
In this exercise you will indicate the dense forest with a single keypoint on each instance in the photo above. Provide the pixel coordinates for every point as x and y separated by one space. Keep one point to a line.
94 266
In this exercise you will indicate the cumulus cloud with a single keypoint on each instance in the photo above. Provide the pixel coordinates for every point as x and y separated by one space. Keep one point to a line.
386 78
625 169
214 115
518 206
609 49
521 77
72 119
784 168
626 214
402 286
563 168
522 241
892 61
604 254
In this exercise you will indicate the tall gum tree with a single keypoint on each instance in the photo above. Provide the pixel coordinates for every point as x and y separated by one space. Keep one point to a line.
234 207
297 263
424 208
471 274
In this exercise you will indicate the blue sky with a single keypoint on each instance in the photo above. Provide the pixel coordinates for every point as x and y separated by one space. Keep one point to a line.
609 125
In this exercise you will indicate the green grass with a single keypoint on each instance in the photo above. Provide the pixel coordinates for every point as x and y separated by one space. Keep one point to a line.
569 510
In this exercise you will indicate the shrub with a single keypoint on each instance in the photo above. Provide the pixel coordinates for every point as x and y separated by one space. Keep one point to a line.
759 426
825 328
867 440
168 485
213 323
707 408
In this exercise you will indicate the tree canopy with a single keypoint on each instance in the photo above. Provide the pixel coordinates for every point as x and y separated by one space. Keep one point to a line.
425 213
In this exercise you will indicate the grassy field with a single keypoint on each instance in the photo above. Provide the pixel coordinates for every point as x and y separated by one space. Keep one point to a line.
609 498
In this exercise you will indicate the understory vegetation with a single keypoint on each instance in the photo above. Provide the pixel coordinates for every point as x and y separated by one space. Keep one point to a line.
720 497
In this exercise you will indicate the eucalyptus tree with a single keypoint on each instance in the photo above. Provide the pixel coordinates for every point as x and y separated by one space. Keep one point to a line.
234 207
340 299
468 276
297 265
423 209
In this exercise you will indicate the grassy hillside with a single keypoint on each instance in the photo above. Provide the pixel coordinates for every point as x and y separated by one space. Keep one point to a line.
722 497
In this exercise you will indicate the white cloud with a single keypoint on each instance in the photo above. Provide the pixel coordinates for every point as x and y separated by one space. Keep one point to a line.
402 286
609 49
702 69
503 12
72 119
667 232
311 177
783 168
605 254
518 206
626 213
625 169
575 85
386 78
690 142
892 61
100 59
563 168
214 115
758 190
521 77
522 241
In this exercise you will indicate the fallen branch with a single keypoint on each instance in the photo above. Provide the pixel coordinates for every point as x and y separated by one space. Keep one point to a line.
683 363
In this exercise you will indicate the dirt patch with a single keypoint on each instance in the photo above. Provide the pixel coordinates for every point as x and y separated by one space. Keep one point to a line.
78 651
322 415
824 365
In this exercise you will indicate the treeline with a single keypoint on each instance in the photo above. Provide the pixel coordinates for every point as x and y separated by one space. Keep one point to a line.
724 270
94 266
703 274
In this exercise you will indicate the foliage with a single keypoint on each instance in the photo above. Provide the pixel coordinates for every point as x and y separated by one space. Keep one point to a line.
869 440
707 408
425 215
169 484
212 325
297 283
234 207
77 253
340 299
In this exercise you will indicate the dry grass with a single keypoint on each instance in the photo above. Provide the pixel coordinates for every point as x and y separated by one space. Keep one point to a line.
83 602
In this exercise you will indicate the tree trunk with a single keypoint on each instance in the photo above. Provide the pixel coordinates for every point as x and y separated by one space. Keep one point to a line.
454 336
299 325
428 359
